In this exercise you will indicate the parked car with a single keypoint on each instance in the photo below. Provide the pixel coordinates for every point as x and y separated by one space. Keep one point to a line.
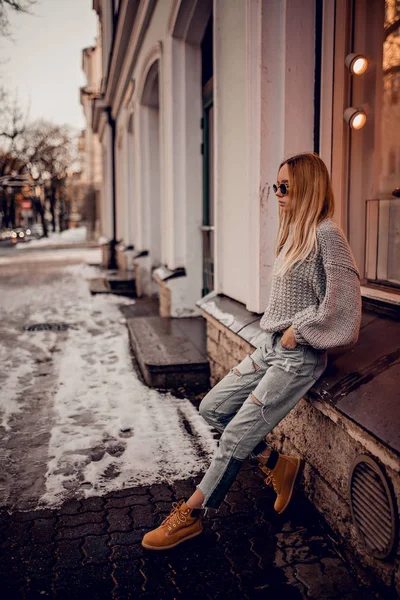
5 234
20 234
37 230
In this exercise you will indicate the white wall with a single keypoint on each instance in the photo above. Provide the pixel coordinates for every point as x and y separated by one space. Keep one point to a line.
286 72
125 172
96 158
106 33
183 165
120 182
232 217
106 192
92 168
265 113
131 169
140 212
97 65
263 106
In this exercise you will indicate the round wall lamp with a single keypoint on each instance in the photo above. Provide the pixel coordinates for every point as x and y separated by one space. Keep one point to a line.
355 117
356 63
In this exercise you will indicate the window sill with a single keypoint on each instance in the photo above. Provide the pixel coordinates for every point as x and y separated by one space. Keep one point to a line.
378 300
375 293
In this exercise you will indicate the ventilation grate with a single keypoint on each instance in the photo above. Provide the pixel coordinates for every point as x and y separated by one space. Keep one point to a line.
372 506
47 327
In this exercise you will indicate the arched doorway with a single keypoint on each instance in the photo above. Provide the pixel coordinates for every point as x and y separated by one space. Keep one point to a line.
189 158
150 201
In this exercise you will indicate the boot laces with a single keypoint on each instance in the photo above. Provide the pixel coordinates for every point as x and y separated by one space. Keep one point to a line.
270 480
176 516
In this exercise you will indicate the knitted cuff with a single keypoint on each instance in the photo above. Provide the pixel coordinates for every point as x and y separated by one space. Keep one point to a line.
297 335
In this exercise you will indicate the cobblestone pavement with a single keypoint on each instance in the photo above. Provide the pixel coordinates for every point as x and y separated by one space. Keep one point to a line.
91 549
73 396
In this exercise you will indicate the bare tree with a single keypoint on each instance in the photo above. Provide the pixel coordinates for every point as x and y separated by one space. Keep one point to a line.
55 157
49 152
12 125
44 151
13 120
6 6
8 165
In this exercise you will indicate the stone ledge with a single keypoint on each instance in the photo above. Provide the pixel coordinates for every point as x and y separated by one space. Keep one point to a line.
332 424
170 352
352 374
163 273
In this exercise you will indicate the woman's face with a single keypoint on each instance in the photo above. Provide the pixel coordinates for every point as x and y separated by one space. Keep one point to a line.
283 177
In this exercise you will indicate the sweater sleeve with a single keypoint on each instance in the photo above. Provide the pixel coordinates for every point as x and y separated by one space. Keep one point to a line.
336 320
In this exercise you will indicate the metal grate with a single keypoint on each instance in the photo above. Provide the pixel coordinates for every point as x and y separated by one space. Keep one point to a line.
372 506
47 327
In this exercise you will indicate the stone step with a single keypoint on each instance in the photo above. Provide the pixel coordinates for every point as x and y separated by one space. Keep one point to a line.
142 307
171 352
121 280
100 285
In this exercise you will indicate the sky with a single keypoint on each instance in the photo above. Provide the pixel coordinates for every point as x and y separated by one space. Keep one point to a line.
43 62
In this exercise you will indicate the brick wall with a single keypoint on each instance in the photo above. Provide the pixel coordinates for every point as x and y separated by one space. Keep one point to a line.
121 258
225 349
315 434
165 299
105 254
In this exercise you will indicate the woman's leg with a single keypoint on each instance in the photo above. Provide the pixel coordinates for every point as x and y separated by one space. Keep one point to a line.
223 401
290 376
196 500
218 407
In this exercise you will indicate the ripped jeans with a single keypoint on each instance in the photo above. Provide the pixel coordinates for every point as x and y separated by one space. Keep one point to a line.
246 407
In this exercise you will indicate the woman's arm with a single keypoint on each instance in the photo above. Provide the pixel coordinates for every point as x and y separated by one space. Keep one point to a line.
336 321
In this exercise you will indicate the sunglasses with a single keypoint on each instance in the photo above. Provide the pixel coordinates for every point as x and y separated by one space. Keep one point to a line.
283 188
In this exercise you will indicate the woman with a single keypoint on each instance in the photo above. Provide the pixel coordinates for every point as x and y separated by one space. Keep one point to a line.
315 304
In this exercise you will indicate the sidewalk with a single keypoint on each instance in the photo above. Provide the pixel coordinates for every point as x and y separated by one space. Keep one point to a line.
76 419
92 549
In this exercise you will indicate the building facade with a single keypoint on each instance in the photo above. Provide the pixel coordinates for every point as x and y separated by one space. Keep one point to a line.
203 101
89 143
200 101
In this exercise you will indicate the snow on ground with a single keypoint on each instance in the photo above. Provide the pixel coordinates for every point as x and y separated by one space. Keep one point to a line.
17 370
107 430
68 254
69 236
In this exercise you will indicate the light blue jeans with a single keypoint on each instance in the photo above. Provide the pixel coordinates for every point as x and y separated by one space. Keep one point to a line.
278 378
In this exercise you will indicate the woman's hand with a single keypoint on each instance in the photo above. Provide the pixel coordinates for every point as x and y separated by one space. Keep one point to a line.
288 340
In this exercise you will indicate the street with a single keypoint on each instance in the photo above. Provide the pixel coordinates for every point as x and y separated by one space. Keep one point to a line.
91 459
186 186
76 420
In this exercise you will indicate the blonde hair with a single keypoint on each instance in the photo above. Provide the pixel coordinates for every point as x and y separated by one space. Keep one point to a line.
311 201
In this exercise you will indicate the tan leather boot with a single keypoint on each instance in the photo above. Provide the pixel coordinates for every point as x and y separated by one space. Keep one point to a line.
180 525
282 478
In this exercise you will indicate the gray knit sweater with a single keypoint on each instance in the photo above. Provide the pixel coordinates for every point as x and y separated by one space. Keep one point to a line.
321 298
